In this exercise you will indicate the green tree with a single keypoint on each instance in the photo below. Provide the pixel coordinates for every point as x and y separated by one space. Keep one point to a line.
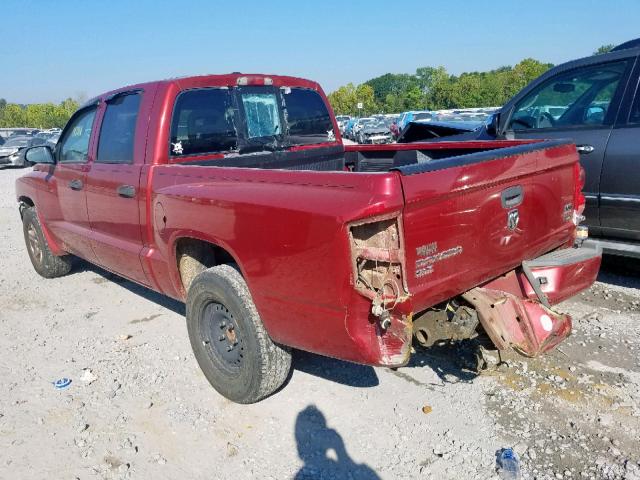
13 116
523 73
344 100
3 104
365 95
38 115
433 88
414 98
391 84
604 49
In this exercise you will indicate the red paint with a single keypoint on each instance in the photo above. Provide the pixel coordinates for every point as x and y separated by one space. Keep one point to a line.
288 230
561 282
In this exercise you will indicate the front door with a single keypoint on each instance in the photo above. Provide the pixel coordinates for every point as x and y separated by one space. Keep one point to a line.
114 199
579 105
67 218
620 182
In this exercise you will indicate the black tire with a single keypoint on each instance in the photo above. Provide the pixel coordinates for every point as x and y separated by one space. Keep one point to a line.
44 262
228 338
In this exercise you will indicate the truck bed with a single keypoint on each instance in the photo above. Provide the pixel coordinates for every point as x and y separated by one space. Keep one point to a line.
373 158
293 225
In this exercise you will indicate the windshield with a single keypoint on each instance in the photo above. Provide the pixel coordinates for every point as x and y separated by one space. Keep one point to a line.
376 124
422 116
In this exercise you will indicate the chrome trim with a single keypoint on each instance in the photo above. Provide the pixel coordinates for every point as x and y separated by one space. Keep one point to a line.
620 198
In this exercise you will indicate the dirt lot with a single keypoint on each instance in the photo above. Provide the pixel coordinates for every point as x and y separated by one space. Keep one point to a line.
138 406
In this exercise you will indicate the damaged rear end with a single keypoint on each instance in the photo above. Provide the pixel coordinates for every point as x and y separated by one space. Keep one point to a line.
486 243
516 308
379 273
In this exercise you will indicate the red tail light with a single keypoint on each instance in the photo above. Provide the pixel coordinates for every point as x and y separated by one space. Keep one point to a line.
578 198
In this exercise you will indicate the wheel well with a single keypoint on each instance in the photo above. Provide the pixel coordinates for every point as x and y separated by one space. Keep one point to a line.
25 202
194 255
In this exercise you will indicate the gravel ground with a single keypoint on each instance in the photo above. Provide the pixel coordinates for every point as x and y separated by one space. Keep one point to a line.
138 406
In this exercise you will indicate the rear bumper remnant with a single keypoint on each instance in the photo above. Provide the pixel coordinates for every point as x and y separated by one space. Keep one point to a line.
512 312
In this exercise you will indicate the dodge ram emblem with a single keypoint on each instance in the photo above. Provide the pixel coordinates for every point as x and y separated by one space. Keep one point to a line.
513 217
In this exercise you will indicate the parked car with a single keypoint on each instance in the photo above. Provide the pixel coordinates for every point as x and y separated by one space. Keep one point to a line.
375 133
277 236
348 128
10 152
395 131
359 125
342 121
421 131
42 138
21 132
595 102
413 116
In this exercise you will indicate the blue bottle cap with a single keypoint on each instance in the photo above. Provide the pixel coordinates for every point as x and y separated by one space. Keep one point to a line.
62 383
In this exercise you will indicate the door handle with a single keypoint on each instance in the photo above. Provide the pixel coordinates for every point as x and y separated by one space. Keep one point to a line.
76 184
584 149
512 197
126 191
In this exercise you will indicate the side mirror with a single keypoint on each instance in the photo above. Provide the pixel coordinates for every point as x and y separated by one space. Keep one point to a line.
492 124
40 154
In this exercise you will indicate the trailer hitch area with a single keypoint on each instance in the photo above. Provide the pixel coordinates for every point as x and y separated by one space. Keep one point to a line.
526 326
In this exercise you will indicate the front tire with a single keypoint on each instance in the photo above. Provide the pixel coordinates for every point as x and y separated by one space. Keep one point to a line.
43 260
229 341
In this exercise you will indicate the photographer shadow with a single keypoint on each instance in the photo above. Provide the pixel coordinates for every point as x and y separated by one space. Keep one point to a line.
323 451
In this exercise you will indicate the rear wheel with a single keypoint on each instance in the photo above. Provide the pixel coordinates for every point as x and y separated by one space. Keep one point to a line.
228 338
43 260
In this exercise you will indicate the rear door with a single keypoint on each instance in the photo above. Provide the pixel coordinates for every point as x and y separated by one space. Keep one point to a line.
620 184
579 104
66 215
113 184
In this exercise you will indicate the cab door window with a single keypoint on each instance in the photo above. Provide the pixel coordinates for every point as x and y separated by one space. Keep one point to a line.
118 130
581 97
74 146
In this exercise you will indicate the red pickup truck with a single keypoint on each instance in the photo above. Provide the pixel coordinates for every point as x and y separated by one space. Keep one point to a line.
235 194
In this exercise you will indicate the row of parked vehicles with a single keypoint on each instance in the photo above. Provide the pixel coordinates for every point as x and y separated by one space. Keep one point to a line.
367 130
15 141
381 129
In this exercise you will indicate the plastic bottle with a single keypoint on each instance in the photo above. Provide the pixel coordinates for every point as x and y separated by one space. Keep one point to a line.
508 464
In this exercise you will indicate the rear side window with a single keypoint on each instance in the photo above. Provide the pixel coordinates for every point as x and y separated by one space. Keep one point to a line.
118 131
308 119
203 123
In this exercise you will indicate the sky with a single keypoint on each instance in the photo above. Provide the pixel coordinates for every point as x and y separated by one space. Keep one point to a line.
51 50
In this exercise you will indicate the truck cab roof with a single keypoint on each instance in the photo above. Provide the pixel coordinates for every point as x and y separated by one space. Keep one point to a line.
216 80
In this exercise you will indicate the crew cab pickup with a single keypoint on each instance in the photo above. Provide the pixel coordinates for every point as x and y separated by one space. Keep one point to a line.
235 194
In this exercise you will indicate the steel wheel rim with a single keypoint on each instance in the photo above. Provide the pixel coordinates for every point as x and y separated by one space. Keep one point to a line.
34 244
221 338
